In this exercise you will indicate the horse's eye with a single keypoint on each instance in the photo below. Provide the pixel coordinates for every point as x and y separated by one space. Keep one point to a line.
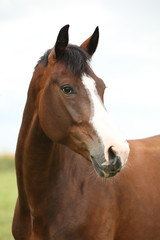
68 90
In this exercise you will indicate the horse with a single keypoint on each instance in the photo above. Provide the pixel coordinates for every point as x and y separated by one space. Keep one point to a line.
77 177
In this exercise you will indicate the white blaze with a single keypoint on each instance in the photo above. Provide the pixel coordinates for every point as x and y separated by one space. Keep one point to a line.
103 124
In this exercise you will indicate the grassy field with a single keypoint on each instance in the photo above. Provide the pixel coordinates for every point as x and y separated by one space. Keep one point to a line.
8 195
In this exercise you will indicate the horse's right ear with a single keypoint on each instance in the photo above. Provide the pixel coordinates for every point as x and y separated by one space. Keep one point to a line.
61 43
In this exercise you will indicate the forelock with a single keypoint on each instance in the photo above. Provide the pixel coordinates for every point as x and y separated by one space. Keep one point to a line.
74 58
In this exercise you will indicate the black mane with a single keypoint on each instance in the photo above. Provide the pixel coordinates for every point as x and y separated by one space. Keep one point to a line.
74 58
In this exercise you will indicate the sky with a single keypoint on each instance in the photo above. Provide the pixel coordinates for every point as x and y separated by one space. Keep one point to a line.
127 57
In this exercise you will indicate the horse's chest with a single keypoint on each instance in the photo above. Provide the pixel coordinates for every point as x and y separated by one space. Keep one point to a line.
81 218
70 221
82 213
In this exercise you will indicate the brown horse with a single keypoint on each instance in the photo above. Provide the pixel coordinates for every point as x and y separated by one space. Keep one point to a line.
66 132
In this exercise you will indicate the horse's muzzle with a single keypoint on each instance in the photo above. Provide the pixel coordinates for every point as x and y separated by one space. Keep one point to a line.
108 169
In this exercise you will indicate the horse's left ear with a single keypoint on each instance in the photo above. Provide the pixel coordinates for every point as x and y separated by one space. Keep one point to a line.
91 43
61 43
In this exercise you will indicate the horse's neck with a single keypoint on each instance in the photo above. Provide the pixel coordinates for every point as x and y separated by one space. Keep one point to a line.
39 162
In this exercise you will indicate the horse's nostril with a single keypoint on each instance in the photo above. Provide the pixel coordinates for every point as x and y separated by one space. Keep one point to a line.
112 156
115 161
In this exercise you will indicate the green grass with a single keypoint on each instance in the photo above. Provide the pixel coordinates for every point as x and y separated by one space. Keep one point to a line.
8 195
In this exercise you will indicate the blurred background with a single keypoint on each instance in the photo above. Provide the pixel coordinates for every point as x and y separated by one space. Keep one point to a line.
127 59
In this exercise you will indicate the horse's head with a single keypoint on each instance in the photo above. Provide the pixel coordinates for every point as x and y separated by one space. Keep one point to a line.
71 109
